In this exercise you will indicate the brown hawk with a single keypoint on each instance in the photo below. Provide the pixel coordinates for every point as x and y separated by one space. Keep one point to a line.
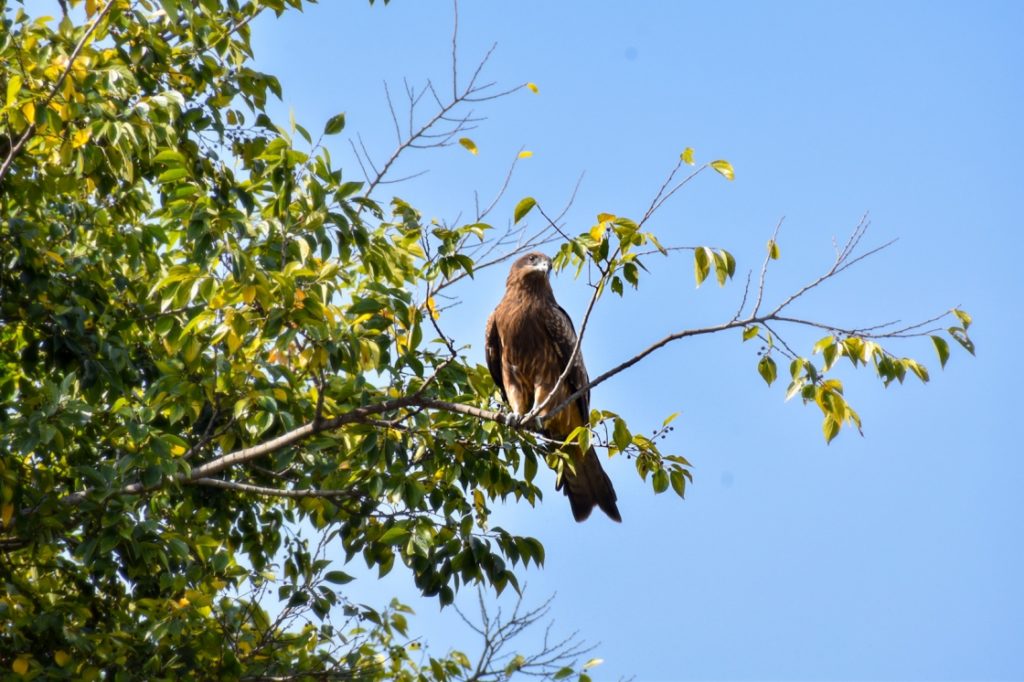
530 339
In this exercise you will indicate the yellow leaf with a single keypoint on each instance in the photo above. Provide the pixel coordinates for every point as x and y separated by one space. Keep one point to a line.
248 293
468 144
604 217
525 154
533 87
6 514
432 307
177 450
29 110
61 657
723 167
54 256
80 137
13 88
687 156
597 232
20 665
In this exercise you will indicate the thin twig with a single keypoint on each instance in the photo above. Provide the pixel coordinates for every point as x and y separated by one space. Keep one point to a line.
764 268
297 493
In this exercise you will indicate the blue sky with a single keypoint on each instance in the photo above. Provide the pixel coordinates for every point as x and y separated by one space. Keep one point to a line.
898 555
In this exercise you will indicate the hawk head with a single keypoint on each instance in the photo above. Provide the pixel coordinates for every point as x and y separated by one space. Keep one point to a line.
531 264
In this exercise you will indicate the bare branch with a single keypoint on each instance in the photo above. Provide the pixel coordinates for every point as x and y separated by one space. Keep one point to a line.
497 661
455 44
662 196
842 262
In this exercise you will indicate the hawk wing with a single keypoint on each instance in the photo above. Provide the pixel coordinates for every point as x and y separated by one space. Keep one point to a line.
492 349
563 334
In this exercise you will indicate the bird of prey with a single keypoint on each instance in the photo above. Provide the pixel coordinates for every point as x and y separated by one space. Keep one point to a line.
530 340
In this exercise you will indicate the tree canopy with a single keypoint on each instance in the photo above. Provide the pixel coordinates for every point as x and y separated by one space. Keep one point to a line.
211 336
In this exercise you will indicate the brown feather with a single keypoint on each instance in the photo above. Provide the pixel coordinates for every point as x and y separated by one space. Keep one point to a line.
529 340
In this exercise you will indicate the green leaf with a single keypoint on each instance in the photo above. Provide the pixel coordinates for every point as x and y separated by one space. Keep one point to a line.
678 480
469 145
660 481
830 354
338 577
751 332
522 208
563 673
942 348
395 535
621 435
172 174
723 167
721 268
961 337
701 263
830 427
766 368
669 419
687 156
335 124
530 467
730 262
170 156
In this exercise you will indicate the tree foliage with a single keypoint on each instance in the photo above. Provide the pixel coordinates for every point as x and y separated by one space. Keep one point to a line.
211 337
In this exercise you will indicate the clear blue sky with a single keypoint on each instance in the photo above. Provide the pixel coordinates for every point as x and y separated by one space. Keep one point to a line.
898 555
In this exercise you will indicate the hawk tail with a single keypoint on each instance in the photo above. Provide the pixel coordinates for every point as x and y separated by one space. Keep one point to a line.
589 487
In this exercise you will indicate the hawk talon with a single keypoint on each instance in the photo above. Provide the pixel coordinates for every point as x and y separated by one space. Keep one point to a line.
518 421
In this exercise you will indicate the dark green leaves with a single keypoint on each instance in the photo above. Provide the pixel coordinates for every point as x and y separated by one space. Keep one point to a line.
338 577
